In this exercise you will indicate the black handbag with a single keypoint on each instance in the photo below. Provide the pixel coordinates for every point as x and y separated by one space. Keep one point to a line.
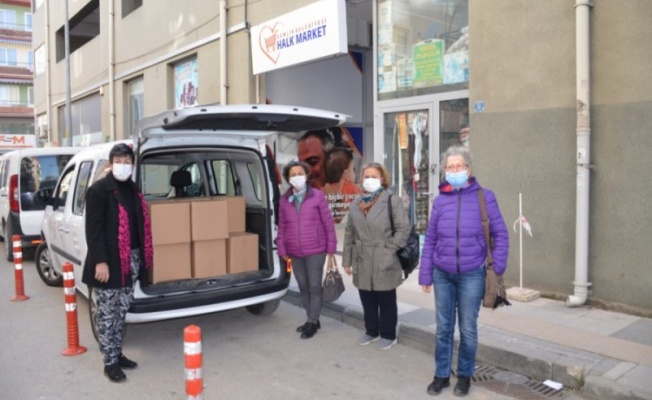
408 255
333 286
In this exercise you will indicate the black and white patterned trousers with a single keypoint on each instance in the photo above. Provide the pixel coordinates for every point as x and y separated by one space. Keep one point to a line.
112 307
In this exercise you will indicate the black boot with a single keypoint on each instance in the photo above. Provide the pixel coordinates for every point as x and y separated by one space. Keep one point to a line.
302 328
126 363
437 385
310 330
114 373
462 386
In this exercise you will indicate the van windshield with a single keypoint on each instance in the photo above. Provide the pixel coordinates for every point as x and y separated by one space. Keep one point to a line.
38 177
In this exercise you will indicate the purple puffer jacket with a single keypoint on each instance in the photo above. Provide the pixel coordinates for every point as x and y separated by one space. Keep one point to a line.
310 231
454 240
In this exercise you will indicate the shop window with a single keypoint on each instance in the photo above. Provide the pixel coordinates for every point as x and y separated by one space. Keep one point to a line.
186 90
136 93
423 47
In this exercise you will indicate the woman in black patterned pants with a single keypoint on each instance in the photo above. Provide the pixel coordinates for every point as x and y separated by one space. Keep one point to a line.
119 239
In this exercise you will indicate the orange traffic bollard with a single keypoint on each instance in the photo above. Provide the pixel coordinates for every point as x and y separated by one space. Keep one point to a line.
193 362
18 269
71 312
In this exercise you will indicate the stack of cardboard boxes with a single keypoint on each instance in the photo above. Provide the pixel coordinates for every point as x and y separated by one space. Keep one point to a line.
201 238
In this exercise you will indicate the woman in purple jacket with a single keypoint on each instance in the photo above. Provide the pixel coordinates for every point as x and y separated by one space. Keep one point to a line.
454 259
306 233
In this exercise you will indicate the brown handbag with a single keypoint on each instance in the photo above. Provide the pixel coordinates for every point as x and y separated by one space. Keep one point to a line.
495 294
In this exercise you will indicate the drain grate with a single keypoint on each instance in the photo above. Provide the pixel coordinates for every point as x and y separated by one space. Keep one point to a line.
514 385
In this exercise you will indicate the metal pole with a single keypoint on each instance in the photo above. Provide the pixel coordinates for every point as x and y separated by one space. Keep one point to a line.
520 237
67 138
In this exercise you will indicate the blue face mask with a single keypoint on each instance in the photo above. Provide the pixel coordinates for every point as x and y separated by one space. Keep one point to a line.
457 179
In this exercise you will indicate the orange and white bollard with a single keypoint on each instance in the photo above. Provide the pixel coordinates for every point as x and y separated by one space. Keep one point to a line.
18 269
71 312
193 362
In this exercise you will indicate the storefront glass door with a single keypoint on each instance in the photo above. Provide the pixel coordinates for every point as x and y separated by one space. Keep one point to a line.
414 136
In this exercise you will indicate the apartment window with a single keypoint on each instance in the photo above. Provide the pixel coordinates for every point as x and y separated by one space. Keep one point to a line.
28 22
30 96
423 47
39 61
8 56
8 19
186 90
83 27
30 60
136 92
130 5
9 95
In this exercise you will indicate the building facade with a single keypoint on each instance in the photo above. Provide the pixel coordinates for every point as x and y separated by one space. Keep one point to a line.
16 69
413 84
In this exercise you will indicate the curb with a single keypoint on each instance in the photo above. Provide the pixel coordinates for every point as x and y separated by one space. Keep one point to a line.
576 370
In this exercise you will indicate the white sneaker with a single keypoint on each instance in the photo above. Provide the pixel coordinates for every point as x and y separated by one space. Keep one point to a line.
385 344
366 339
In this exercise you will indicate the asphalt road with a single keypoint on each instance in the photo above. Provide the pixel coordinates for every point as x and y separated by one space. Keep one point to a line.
245 356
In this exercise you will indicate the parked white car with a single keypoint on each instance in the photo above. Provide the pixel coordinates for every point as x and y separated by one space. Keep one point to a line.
225 152
27 178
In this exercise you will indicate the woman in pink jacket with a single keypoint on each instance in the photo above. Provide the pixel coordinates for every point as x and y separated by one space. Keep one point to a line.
306 234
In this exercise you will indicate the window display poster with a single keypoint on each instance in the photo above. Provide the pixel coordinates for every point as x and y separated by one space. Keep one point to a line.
186 90
428 61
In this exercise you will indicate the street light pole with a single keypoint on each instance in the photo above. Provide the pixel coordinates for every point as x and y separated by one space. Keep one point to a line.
67 138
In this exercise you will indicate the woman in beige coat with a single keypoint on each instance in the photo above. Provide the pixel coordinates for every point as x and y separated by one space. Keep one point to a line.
370 254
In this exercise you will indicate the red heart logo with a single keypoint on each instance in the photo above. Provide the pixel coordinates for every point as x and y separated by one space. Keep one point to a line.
267 41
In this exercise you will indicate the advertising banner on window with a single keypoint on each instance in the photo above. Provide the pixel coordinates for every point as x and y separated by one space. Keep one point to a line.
186 89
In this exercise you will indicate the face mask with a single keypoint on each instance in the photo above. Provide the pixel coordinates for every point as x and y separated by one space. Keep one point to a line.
457 179
370 185
298 182
122 172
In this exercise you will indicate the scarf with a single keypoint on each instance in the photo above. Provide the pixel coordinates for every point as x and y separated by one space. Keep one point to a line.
368 200
297 198
124 238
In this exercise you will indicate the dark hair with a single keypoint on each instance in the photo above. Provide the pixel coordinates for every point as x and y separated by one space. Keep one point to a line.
336 162
326 139
295 163
121 150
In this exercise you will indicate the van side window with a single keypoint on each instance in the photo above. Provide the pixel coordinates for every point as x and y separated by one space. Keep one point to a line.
3 173
222 180
255 179
63 190
101 170
83 180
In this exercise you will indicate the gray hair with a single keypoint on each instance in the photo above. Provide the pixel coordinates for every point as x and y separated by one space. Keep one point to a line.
455 151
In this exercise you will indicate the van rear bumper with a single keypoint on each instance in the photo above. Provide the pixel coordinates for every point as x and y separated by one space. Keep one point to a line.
197 303
26 241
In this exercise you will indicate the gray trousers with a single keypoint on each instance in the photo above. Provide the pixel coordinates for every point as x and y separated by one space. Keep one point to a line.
308 271
112 307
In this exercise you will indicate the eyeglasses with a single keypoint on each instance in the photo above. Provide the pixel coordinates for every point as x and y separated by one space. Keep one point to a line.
456 167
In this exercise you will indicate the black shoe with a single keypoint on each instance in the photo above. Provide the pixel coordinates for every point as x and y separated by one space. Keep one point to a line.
437 385
310 330
462 386
302 328
126 363
114 373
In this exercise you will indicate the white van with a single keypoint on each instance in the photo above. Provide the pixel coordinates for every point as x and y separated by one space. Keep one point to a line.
27 178
219 151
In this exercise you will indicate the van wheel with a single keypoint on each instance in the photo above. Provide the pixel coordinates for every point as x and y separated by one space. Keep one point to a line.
266 308
45 268
9 245
93 312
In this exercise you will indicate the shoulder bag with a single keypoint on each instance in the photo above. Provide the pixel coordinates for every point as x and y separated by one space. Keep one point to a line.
333 286
409 254
495 294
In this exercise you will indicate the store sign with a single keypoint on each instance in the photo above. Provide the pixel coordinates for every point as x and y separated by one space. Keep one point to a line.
307 34
17 141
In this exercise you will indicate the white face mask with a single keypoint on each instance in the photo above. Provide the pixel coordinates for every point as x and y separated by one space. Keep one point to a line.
298 182
122 172
370 185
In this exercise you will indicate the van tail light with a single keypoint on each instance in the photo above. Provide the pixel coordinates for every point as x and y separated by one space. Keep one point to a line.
288 266
13 194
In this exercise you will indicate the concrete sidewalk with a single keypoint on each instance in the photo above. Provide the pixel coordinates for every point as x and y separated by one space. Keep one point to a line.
607 355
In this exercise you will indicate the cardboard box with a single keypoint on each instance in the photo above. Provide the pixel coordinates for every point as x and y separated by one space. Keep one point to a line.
242 252
237 208
170 222
209 219
208 258
171 262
